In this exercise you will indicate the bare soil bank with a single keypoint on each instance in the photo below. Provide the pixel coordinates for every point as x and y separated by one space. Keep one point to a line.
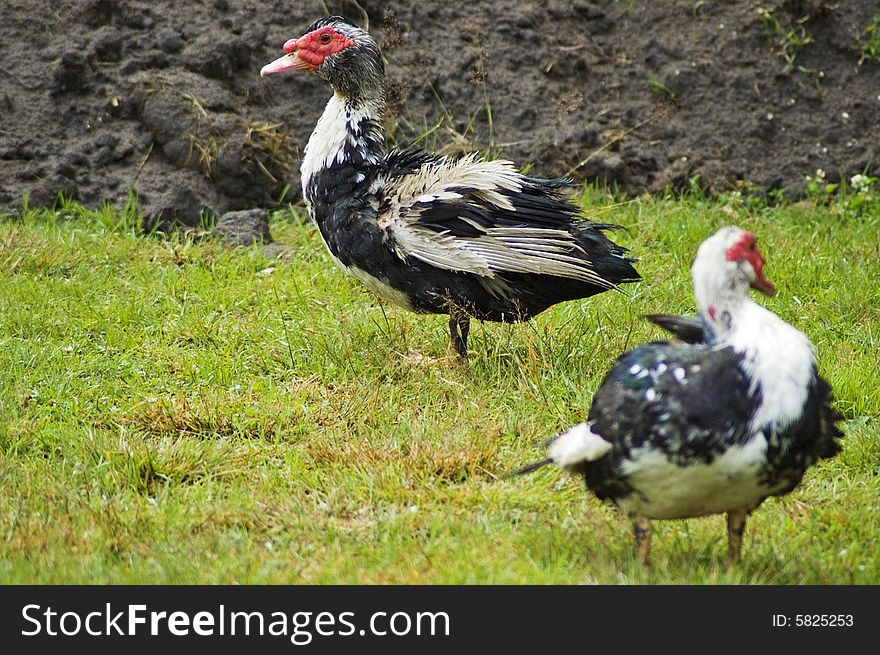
98 97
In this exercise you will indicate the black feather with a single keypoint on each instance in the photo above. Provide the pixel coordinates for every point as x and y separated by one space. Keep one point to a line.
529 468
689 330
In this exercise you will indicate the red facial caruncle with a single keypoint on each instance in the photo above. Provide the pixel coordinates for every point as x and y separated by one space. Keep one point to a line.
309 51
746 249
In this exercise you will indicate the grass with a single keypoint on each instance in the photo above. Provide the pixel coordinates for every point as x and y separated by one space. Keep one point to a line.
785 39
869 42
174 411
659 85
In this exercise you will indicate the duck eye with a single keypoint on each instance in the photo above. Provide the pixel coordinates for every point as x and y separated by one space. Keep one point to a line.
325 38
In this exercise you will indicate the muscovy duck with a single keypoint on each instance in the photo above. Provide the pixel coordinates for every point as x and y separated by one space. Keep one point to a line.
717 422
434 234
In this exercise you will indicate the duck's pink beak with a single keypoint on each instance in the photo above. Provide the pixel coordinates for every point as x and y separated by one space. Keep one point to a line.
761 282
764 285
290 61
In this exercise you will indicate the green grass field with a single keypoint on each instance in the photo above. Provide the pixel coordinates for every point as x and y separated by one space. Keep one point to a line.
175 411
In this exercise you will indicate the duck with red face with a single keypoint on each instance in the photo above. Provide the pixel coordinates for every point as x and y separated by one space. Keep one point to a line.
434 234
716 423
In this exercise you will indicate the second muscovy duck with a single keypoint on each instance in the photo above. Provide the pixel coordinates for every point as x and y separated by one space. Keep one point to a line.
732 414
433 234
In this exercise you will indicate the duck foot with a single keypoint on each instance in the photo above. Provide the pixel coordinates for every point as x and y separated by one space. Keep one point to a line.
459 327
642 531
736 526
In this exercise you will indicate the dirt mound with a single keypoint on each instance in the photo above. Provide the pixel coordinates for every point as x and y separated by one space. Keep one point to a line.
99 97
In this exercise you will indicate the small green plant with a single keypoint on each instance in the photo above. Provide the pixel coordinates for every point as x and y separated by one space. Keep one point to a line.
817 188
860 195
625 6
659 85
869 43
785 40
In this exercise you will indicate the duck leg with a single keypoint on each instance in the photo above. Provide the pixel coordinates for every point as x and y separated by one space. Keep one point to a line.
459 326
464 326
736 526
642 531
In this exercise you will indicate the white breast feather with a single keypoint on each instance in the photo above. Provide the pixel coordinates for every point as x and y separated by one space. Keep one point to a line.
778 357
665 490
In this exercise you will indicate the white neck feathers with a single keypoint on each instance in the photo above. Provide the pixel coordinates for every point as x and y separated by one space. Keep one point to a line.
342 124
776 356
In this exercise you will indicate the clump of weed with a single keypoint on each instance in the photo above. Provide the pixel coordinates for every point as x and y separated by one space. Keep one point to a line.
785 39
869 42
270 148
659 85
855 197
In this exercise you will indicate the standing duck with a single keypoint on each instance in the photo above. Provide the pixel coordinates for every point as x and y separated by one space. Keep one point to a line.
679 430
463 237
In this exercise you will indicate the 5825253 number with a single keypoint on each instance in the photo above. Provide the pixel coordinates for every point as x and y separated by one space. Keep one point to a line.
823 620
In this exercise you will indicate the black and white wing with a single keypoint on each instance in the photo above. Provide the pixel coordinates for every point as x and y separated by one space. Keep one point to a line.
694 330
691 402
687 403
487 219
